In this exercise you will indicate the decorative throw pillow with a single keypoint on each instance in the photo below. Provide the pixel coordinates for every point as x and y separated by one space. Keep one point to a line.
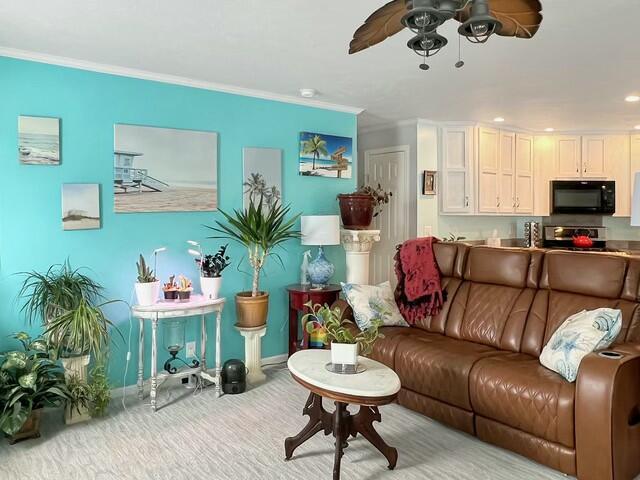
371 302
578 336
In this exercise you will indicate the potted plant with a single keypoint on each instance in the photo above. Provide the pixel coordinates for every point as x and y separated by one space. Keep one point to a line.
211 267
147 286
345 344
184 288
260 229
170 289
99 389
358 209
29 381
77 406
66 301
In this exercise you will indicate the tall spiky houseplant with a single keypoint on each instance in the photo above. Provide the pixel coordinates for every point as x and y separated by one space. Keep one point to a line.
260 229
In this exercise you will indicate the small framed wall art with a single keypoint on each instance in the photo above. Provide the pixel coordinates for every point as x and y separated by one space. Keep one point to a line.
38 140
80 206
325 155
429 182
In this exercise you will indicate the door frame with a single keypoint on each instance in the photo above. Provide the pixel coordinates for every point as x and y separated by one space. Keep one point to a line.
406 149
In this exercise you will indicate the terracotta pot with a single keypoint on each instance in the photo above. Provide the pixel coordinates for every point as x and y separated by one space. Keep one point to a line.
252 311
356 211
30 429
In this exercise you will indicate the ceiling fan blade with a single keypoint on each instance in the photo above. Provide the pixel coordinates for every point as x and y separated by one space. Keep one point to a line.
382 24
519 18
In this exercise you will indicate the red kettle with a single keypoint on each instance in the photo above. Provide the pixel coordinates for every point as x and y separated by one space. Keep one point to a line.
582 241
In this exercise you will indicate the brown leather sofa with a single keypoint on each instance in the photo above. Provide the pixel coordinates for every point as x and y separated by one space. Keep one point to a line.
475 366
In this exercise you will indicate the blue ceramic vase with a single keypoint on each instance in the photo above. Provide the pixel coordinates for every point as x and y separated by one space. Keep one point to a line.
320 270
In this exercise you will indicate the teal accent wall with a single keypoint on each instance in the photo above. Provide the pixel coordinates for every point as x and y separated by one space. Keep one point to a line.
89 104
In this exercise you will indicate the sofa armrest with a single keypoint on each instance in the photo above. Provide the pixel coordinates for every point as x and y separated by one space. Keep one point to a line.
607 414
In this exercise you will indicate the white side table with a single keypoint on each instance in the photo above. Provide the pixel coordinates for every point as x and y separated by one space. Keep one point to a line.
253 352
163 310
357 245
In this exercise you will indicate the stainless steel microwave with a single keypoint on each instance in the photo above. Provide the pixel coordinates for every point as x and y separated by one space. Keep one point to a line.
594 197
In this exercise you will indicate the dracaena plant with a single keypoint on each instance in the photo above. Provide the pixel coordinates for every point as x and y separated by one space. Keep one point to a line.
260 229
340 330
29 379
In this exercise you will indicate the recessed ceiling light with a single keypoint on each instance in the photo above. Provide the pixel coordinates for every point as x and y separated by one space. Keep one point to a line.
498 119
637 127
549 129
632 98
308 92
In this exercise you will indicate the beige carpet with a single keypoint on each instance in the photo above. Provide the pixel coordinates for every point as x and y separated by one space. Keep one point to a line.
241 437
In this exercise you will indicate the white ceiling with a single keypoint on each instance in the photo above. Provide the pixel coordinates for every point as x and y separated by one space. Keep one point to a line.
573 75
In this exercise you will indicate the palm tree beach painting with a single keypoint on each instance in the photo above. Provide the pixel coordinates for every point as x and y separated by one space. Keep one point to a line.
262 178
80 206
325 155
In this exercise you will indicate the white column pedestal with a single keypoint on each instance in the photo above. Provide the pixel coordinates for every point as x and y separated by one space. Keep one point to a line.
357 245
253 353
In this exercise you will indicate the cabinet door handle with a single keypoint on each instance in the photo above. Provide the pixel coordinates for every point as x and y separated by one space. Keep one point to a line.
514 203
466 201
497 201
517 202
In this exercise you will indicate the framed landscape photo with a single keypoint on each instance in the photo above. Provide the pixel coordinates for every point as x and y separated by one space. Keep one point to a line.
80 206
429 182
164 170
262 176
38 140
325 155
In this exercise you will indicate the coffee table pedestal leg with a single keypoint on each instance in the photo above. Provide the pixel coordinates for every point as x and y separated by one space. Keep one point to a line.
319 420
362 423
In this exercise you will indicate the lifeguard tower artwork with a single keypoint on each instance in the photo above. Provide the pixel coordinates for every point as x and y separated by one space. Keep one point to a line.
325 155
164 170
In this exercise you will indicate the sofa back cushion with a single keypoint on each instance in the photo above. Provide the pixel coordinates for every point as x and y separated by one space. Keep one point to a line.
492 303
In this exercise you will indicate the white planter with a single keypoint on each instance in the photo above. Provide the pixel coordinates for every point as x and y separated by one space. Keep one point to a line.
147 293
76 367
344 354
210 287
72 416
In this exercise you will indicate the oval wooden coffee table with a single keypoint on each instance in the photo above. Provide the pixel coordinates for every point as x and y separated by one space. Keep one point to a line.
378 385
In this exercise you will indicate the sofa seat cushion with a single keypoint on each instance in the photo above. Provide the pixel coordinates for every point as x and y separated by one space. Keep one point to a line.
384 350
514 389
439 366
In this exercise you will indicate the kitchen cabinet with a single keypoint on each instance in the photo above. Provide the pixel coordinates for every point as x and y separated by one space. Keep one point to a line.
593 156
507 172
568 160
524 177
544 164
618 168
635 160
457 169
489 146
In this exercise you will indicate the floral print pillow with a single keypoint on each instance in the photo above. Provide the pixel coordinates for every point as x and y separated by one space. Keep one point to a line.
578 336
373 302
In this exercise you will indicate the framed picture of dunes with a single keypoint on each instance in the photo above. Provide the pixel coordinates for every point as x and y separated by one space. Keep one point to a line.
325 155
80 206
164 170
38 140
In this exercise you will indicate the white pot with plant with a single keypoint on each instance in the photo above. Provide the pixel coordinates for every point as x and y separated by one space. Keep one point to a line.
211 267
147 286
260 229
345 338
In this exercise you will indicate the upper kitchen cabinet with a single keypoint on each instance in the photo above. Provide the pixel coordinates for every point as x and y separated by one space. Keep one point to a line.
457 169
489 146
617 167
545 165
568 157
507 172
635 160
524 186
593 156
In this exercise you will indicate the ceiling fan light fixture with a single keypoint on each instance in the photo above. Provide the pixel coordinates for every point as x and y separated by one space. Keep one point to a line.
481 24
427 44
423 16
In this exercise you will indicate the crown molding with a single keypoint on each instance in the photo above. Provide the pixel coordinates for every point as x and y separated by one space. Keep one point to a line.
388 126
172 79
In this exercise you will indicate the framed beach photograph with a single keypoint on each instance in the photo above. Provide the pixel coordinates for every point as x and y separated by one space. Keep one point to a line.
429 182
164 170
80 206
262 176
38 140
325 155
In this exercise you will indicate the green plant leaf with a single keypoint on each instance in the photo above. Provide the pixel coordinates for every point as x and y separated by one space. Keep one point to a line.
28 380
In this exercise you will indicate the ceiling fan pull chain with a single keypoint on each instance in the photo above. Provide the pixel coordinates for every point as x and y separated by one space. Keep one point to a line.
459 63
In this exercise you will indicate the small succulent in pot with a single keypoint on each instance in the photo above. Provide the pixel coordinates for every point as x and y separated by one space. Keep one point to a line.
211 266
147 287
145 274
184 288
170 289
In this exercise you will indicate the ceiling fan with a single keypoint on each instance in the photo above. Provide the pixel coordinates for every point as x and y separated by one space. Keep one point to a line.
479 19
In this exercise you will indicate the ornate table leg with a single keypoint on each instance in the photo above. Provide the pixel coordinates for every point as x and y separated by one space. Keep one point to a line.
362 423
319 420
141 359
341 432
218 354
203 344
154 362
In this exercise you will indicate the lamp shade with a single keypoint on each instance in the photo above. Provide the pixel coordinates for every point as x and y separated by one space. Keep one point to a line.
635 204
320 230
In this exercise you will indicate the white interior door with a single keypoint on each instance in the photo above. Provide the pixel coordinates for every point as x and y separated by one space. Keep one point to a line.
389 167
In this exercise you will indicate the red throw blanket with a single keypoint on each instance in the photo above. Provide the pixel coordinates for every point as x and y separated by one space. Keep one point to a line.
419 292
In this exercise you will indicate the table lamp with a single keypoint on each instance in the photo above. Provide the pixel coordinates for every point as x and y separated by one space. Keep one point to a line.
635 203
320 230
